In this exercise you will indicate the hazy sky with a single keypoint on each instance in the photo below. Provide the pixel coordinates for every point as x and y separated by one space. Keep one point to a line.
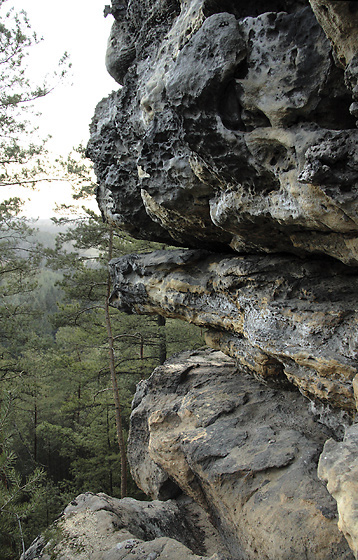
78 27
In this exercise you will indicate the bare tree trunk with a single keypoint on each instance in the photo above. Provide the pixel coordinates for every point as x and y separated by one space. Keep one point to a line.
162 339
35 429
112 368
77 414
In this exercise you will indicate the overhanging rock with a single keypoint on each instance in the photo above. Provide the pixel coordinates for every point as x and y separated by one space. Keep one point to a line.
234 129
282 317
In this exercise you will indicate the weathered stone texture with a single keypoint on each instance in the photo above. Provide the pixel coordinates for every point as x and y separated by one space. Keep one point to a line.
246 453
339 21
234 131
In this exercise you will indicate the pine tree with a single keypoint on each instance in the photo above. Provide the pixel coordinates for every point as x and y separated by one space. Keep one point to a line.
134 344
87 288
19 261
22 160
18 496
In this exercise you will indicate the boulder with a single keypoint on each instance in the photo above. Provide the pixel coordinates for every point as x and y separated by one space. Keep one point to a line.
338 467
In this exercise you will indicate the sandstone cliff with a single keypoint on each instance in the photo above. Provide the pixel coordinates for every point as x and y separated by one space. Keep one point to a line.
233 136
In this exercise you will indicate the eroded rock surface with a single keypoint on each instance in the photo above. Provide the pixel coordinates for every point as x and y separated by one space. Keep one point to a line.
339 21
246 453
232 129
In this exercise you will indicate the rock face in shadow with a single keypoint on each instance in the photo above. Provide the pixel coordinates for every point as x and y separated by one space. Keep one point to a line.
246 453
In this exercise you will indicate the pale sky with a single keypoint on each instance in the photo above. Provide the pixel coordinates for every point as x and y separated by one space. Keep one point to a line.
78 27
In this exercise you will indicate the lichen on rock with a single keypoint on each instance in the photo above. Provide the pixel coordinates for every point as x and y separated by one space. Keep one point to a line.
99 527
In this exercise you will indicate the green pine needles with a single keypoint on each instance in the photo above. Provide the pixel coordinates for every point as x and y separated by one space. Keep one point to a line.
19 496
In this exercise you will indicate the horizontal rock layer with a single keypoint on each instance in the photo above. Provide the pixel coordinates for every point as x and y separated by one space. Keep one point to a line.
246 453
283 318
